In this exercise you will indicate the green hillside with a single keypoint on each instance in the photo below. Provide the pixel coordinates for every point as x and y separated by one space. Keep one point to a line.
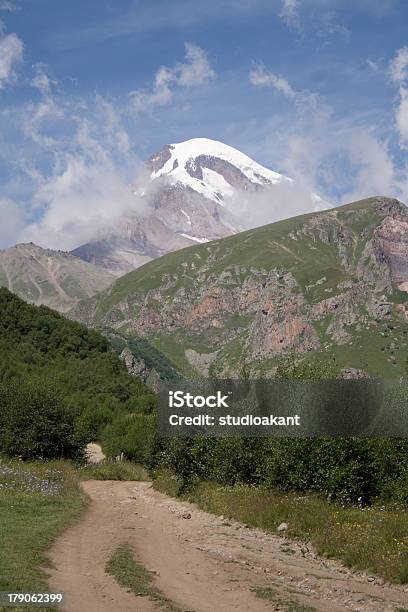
319 285
56 374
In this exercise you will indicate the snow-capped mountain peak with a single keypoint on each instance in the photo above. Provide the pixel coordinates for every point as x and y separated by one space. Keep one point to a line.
211 168
198 190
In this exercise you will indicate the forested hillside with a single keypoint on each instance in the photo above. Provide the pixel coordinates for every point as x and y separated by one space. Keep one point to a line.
61 384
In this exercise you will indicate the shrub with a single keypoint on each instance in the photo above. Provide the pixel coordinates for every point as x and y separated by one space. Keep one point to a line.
36 422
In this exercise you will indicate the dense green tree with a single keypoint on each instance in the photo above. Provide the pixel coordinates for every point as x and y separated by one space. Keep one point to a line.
59 377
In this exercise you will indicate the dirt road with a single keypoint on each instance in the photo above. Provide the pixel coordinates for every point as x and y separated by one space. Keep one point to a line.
202 563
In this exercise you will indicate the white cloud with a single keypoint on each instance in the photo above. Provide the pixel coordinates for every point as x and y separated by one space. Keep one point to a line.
399 66
12 221
11 54
37 116
340 159
289 12
343 161
194 72
306 102
39 119
286 199
90 186
374 170
319 16
261 77
41 80
401 116
83 197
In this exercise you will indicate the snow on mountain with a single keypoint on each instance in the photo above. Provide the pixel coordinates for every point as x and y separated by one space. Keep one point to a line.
191 163
198 190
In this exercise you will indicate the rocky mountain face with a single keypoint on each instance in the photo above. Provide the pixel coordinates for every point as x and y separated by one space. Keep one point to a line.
136 366
53 278
189 199
329 284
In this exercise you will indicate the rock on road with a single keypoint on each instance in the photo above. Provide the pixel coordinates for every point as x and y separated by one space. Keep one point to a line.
201 562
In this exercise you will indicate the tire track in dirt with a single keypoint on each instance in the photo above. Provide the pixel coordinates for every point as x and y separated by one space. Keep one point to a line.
202 562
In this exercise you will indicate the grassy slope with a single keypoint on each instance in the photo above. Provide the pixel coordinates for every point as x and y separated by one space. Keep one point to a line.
31 519
260 247
266 248
373 540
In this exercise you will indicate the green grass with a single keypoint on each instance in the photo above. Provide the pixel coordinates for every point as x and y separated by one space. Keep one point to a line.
131 574
112 470
33 514
374 539
31 518
260 247
306 246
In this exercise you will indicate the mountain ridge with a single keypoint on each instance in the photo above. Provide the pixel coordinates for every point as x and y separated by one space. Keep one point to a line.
314 284
48 277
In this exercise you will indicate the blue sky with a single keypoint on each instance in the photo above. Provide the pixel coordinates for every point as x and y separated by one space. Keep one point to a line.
317 89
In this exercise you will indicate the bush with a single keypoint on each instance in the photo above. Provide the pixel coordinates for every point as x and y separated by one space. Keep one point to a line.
130 434
36 422
343 469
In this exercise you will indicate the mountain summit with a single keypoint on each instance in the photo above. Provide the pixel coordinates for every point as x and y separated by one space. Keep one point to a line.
197 191
211 168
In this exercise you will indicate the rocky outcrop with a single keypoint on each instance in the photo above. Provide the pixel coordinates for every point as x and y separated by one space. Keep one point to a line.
137 367
392 244
320 283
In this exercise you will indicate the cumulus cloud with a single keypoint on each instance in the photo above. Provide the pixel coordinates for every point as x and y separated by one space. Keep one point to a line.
83 197
286 199
11 54
340 159
89 174
195 71
90 186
